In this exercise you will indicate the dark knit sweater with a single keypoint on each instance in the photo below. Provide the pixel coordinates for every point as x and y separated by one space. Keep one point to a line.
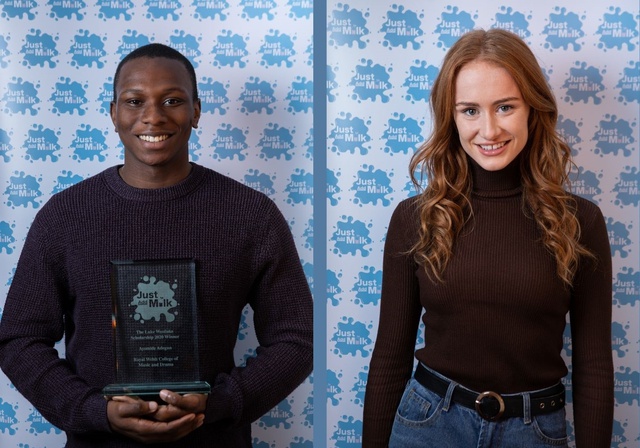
244 254
497 321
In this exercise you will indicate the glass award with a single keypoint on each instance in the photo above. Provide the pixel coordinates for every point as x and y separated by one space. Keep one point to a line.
155 328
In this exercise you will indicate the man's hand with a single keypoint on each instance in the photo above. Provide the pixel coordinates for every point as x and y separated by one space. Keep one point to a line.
147 422
179 405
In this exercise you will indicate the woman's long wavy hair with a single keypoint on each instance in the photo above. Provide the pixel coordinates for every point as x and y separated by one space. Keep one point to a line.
545 161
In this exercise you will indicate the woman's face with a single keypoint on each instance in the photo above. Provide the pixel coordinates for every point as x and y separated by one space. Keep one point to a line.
490 115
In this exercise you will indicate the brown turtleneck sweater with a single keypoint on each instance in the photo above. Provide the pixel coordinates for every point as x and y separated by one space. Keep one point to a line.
497 321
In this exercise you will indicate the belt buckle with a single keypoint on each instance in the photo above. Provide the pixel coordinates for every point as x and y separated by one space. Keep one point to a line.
489 394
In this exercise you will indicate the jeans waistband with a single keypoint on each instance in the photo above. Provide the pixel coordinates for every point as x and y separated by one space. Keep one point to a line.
491 405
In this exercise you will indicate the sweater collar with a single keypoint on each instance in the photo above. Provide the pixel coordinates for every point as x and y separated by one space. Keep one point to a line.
501 183
126 191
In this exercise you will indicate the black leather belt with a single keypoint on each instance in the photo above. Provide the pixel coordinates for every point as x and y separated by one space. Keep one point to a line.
491 405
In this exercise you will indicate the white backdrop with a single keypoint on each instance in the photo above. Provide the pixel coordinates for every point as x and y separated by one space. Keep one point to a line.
254 66
383 57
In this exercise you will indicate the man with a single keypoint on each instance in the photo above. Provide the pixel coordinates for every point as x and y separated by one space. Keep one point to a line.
156 206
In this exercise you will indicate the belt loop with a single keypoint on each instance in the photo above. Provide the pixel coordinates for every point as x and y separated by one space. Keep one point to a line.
449 395
526 408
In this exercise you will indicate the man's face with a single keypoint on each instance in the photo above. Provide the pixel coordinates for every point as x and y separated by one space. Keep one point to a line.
154 112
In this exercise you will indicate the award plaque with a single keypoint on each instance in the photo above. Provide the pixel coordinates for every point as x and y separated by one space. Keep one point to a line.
155 328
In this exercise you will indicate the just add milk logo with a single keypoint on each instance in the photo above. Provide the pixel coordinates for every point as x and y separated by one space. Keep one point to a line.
38 424
19 8
130 41
254 9
360 386
229 142
39 49
213 96
351 337
513 21
333 287
4 52
276 142
115 9
6 237
23 190
67 9
65 180
620 339
626 287
300 187
163 9
195 147
614 136
583 83
618 28
280 415
625 386
105 96
87 49
21 97
370 81
69 97
186 44
333 187
8 417
333 387
351 236
563 29
347 27
348 433
154 300
402 28
626 188
368 287
629 84
230 49
453 24
257 96
403 135
209 9
372 185
5 145
569 131
300 8
307 413
420 81
349 134
277 50
331 84
41 143
259 181
307 235
89 143
586 184
619 238
300 96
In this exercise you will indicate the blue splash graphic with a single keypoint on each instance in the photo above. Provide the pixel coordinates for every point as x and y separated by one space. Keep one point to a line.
349 134
5 145
307 235
88 144
163 9
402 28
626 287
69 97
403 135
371 186
618 439
300 8
331 84
260 444
18 9
351 337
332 187
213 96
360 386
409 189
120 9
307 412
350 237
23 190
130 41
4 52
243 328
105 96
370 81
6 237
625 386
586 184
299 442
566 341
21 97
513 21
229 143
333 287
308 145
453 25
276 142
259 181
333 387
38 424
619 341
187 45
348 434
617 29
39 49
564 29
194 145
420 81
209 9
87 49
307 268
368 287
257 96
41 143
256 9
614 135
65 180
7 417
278 416
626 189
300 96
583 83
629 84
569 131
277 50
347 27
619 237
229 50
300 188
66 9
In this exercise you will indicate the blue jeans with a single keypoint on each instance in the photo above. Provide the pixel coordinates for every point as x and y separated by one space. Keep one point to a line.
425 419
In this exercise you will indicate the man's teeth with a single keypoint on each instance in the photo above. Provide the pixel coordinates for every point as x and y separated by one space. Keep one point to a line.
493 147
153 139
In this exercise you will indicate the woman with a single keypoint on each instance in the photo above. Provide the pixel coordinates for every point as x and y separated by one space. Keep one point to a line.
496 253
